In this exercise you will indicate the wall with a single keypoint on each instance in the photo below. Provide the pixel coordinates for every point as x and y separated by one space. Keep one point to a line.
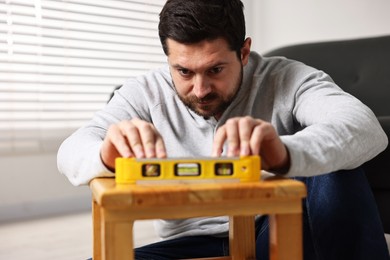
31 185
276 23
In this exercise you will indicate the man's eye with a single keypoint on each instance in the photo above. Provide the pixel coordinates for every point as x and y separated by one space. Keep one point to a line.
184 72
216 70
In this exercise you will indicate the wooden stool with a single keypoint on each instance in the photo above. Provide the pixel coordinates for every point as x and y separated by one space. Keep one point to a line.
116 207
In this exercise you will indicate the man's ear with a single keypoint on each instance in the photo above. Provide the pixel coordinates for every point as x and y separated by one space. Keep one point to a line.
245 51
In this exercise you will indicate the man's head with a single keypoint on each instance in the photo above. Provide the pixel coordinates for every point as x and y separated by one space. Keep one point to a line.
204 41
192 21
207 75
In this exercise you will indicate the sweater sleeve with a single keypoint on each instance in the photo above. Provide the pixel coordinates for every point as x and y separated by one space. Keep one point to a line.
78 157
336 130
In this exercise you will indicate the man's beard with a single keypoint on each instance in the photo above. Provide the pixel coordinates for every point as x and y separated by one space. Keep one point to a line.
215 109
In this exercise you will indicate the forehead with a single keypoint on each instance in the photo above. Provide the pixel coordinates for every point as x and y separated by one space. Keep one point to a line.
199 55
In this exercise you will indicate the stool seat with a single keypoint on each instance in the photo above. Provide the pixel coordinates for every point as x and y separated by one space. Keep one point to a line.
116 207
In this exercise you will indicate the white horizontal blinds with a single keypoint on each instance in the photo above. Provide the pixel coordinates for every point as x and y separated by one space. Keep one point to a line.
61 59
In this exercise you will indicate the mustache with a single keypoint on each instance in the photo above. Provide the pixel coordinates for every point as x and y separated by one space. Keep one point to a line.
208 97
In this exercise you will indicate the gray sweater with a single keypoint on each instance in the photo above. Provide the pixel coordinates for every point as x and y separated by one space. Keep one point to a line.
324 128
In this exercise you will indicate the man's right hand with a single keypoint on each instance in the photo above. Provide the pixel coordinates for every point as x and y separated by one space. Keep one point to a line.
131 138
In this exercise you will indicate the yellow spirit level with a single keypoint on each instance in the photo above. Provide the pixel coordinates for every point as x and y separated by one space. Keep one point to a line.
182 170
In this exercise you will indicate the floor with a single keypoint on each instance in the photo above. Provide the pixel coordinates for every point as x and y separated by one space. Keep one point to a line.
67 237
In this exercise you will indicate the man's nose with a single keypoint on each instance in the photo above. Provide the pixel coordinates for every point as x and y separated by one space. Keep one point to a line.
201 86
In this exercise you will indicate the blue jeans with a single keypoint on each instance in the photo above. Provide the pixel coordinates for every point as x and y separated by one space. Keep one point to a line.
340 221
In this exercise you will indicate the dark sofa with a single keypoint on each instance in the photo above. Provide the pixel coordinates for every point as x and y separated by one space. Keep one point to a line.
362 68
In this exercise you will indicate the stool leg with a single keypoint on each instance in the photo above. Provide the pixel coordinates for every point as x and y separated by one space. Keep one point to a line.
118 239
242 243
286 237
97 246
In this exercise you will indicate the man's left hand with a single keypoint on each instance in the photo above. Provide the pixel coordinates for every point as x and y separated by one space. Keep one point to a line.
250 136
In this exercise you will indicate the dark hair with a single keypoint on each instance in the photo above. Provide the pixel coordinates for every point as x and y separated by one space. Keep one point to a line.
192 21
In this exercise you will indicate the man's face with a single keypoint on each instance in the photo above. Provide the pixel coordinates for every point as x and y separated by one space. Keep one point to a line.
206 75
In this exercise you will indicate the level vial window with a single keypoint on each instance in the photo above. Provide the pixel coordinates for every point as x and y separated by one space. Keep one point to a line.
224 169
151 170
187 169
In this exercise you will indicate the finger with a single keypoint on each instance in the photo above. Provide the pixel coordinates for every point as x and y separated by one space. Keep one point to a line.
114 145
219 140
131 133
152 142
232 137
265 137
148 138
160 148
118 141
272 150
245 128
258 134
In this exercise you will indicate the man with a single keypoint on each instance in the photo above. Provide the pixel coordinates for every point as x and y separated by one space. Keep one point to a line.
216 97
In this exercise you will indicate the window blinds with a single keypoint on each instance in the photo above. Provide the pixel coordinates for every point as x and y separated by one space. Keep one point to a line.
61 59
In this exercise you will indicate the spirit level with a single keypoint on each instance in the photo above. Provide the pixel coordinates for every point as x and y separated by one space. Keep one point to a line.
182 170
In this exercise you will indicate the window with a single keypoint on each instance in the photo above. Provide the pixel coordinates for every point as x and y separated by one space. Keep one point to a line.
61 59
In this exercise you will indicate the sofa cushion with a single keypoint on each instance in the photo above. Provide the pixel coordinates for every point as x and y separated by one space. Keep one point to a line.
361 67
